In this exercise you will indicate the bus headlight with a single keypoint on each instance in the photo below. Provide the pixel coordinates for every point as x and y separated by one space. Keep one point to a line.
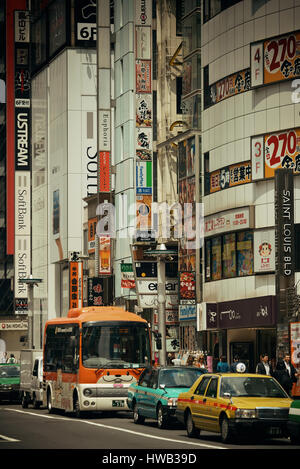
87 392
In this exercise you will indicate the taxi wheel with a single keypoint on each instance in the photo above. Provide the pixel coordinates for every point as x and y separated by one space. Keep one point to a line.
191 430
226 432
162 421
137 418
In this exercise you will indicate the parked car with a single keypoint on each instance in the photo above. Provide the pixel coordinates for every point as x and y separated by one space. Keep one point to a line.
31 384
294 422
233 405
9 381
155 394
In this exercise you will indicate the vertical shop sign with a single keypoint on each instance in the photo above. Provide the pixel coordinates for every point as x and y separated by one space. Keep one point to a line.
95 291
22 114
75 284
105 255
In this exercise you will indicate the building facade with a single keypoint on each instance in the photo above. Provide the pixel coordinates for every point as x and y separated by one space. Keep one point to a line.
250 124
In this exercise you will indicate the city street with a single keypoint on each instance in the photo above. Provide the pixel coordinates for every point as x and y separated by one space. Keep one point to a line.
36 429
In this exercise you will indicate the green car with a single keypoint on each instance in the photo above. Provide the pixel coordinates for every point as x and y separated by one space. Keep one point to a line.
294 422
9 382
155 395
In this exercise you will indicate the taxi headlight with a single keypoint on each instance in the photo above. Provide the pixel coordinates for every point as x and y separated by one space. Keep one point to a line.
245 413
172 402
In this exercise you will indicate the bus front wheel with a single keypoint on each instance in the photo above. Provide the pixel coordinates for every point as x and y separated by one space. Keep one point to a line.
76 407
49 402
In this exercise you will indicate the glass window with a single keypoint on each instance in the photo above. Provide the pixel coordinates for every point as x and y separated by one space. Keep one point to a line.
251 387
212 388
145 378
244 253
208 259
229 256
202 386
216 245
179 377
115 346
61 347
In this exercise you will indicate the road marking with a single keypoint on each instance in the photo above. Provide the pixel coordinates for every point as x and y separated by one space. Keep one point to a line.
7 438
190 443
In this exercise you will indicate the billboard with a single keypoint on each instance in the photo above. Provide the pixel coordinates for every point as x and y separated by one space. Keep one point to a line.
275 59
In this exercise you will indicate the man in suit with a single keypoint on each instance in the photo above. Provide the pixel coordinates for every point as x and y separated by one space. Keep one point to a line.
263 367
286 373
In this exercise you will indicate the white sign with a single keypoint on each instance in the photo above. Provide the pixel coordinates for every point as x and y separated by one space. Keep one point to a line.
13 325
143 12
228 221
104 130
22 24
150 286
264 251
150 301
22 203
257 157
257 64
143 42
187 312
22 264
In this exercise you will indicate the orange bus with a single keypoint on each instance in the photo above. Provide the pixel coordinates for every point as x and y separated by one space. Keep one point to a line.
91 357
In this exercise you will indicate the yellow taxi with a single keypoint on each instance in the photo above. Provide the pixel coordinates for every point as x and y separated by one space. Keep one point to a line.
233 404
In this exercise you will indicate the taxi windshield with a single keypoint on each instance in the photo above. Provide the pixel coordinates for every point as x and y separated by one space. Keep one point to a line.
7 371
243 386
179 378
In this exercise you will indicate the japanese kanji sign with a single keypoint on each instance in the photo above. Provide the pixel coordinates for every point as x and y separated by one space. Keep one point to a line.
230 176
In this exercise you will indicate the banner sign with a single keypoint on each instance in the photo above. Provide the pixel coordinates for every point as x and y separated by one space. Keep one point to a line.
275 151
230 176
276 59
127 276
104 171
105 255
232 85
95 291
22 112
229 220
92 224
144 177
75 285
187 281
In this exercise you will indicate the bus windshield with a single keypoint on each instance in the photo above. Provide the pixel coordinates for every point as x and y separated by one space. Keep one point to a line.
118 345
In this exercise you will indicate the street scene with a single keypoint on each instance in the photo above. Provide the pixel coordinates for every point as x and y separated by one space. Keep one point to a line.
149 228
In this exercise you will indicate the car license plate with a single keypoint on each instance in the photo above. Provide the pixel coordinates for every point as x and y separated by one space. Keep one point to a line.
118 403
275 431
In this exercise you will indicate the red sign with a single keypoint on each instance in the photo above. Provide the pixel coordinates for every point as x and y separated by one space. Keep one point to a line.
187 285
104 171
75 284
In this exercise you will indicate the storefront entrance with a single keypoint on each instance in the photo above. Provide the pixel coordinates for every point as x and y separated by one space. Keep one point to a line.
245 352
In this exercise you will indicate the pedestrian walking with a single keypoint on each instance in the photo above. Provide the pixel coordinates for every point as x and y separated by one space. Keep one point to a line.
238 366
263 367
286 373
200 361
222 366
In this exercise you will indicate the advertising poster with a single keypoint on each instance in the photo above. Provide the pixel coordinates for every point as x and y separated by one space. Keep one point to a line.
143 212
144 110
264 251
187 281
282 150
104 255
282 58
295 353
127 276
95 291
144 177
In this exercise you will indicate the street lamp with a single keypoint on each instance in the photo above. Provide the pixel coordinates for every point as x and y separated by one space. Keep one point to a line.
30 282
162 254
